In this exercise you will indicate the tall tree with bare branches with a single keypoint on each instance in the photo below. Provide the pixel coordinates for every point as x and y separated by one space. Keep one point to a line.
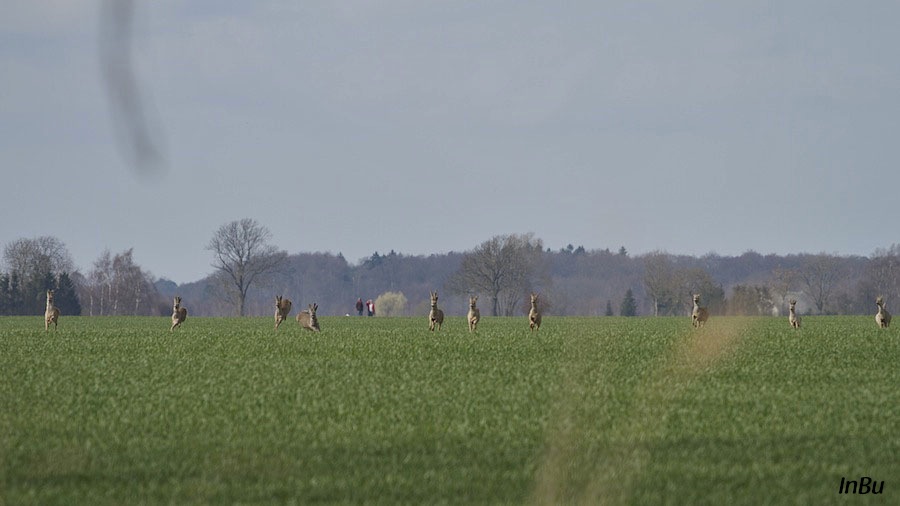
819 275
661 282
781 282
881 277
31 258
116 285
504 268
243 256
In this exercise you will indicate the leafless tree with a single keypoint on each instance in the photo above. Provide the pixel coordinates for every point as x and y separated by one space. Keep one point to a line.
671 288
782 281
880 276
100 281
35 257
118 286
819 275
882 273
504 268
661 282
243 256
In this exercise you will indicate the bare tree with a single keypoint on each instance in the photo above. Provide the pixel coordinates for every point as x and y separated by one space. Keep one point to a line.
881 276
819 275
671 289
100 279
118 286
504 268
782 281
661 282
243 256
36 257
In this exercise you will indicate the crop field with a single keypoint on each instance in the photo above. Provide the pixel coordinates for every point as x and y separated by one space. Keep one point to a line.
118 410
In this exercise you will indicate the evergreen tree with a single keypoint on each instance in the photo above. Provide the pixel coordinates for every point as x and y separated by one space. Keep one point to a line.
34 293
609 309
15 294
629 306
65 297
5 298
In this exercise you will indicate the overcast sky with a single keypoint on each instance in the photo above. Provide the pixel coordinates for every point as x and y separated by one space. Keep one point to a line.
427 127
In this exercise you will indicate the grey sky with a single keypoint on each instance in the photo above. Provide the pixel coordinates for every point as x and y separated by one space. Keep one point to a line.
426 127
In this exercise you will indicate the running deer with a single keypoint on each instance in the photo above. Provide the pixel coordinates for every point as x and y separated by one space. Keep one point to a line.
51 315
179 314
307 318
436 315
474 314
282 310
700 314
534 316
882 317
794 318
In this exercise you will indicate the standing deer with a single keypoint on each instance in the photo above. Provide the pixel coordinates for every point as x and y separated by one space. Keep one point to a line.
179 314
793 317
474 314
534 316
882 317
700 314
282 310
51 314
307 318
436 316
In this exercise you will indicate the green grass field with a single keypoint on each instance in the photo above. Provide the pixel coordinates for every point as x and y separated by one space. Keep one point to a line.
379 410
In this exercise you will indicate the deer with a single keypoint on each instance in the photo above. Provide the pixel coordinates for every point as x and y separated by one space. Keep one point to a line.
307 318
436 316
793 317
534 316
474 314
51 314
179 314
882 317
700 314
282 310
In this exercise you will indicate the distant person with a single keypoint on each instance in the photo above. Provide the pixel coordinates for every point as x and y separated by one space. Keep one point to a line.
359 306
370 306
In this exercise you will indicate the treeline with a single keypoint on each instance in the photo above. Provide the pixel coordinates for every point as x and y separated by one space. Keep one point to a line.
35 266
115 285
329 280
576 281
502 271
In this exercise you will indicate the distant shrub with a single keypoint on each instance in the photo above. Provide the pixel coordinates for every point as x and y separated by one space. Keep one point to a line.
390 304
